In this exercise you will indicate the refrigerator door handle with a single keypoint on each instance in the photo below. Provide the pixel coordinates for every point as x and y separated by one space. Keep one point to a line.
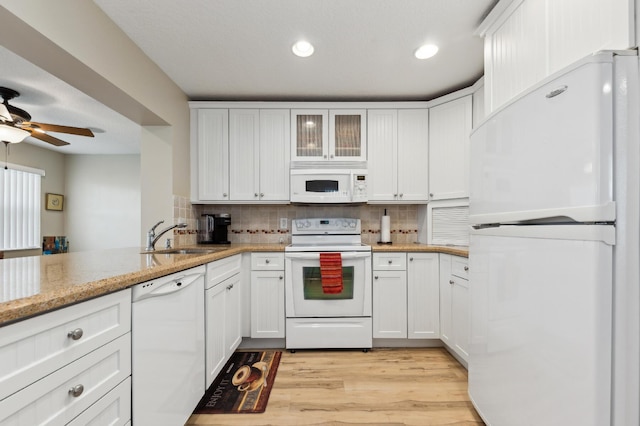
556 92
604 233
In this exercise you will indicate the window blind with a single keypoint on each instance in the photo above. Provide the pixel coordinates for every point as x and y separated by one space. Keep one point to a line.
20 211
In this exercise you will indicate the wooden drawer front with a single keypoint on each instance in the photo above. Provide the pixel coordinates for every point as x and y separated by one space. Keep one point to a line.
389 261
222 269
267 261
460 267
113 409
33 348
49 400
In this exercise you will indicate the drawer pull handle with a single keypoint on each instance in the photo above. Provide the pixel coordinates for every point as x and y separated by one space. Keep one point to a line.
466 268
451 282
76 391
75 334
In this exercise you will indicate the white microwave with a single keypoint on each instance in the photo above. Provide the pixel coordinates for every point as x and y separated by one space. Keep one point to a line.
328 185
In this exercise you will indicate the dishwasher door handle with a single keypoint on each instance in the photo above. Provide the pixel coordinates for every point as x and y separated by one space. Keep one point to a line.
160 287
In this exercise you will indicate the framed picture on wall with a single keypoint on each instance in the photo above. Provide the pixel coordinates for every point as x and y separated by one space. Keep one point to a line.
54 201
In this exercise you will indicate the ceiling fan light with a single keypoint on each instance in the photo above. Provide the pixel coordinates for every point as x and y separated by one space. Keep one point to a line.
302 49
12 134
426 51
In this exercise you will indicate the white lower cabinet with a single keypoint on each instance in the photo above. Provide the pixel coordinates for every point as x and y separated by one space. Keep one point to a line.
454 304
423 296
65 393
267 295
405 295
55 366
223 309
113 409
389 304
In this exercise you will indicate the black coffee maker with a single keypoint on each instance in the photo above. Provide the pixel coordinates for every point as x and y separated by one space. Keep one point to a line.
213 228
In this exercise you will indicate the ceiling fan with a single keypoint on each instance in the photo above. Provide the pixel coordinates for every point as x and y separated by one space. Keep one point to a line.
16 124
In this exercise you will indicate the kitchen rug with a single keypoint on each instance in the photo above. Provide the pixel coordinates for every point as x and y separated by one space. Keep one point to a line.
243 386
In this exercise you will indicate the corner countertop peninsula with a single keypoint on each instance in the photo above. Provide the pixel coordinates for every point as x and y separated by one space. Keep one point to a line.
37 284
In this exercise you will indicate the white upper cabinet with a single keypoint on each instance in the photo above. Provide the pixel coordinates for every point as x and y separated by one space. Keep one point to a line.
274 154
528 40
258 155
210 154
450 128
398 141
328 135
240 155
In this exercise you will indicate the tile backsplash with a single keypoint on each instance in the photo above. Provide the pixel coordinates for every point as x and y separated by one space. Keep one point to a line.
261 223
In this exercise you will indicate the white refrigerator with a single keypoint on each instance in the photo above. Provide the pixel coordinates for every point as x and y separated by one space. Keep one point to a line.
554 251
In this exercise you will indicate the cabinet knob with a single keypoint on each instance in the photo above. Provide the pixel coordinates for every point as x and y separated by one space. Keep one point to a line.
431 194
390 262
281 277
466 268
411 259
324 156
395 195
255 194
261 194
401 195
267 261
230 286
451 282
331 156
75 334
224 194
376 277
76 391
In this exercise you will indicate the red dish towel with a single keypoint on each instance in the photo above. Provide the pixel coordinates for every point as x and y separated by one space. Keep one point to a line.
331 273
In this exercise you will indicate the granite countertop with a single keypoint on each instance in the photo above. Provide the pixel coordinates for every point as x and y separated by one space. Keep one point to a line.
36 284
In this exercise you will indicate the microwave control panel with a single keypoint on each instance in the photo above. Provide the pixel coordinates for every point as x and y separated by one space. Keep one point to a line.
359 187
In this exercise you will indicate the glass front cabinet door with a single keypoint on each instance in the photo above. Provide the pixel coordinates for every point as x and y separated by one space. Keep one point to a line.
328 135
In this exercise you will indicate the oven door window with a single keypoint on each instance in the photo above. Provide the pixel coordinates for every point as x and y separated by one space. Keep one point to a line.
312 284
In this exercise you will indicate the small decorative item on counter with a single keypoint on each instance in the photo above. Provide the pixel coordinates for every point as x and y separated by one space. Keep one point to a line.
55 245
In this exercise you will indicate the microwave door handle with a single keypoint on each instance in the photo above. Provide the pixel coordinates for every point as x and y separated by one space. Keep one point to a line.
316 255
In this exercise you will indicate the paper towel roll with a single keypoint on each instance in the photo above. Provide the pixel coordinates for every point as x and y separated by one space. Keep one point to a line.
385 229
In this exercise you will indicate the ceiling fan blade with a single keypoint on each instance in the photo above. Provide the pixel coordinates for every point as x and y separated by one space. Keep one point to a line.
48 138
58 129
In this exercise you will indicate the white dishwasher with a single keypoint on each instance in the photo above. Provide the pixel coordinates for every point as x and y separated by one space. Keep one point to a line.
167 348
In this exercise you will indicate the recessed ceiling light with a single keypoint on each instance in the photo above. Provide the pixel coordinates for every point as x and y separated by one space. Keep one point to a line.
426 51
302 49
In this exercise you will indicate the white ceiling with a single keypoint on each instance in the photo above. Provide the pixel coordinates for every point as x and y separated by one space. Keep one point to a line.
241 50
51 100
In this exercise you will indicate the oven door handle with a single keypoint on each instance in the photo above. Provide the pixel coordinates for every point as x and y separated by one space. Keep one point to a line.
316 255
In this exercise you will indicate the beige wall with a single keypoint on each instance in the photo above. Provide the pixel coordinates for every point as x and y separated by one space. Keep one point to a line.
53 163
102 202
76 42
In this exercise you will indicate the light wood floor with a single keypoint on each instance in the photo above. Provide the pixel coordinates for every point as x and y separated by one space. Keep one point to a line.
381 387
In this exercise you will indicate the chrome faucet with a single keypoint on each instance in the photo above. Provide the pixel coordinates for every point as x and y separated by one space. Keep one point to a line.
152 239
